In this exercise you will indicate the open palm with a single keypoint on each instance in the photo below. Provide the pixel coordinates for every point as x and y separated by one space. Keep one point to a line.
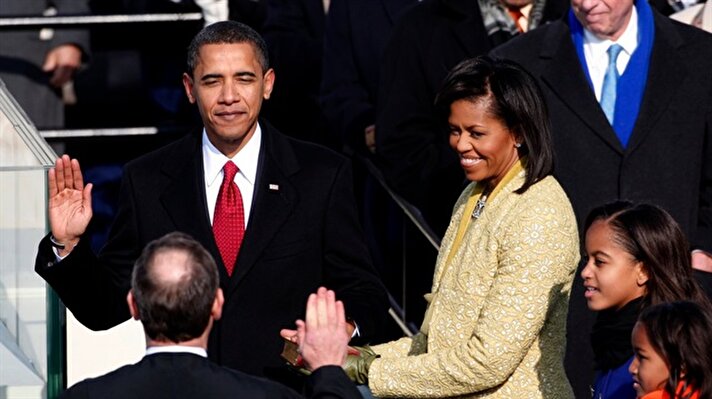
69 201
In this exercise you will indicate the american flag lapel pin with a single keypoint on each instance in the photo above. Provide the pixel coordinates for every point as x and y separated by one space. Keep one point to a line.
274 187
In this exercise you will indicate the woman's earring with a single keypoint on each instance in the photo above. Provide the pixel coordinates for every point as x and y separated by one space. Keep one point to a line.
517 145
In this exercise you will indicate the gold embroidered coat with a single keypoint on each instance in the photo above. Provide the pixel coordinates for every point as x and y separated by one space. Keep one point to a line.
498 310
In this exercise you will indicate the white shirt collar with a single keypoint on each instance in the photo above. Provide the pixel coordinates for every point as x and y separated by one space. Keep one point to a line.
246 159
628 40
151 350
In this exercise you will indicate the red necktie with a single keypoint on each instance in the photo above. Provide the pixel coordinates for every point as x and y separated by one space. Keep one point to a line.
516 15
229 218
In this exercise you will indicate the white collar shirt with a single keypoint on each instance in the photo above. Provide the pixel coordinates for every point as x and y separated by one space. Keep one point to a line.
246 160
595 51
152 350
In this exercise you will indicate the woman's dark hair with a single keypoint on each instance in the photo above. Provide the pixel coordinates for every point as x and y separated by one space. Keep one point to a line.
652 236
681 333
513 97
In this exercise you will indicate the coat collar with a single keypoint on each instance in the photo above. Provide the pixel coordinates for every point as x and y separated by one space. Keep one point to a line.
566 78
563 72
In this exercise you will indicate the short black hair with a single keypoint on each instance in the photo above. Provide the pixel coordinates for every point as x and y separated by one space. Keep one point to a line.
514 98
227 32
175 311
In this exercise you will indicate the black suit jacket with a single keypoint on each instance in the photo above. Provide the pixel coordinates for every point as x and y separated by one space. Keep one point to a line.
188 376
355 36
294 32
427 41
302 233
668 160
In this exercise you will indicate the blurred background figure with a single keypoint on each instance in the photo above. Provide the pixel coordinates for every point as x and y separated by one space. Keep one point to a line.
38 65
294 32
698 15
356 33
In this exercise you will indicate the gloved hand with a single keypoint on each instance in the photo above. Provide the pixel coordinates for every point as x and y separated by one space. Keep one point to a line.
356 365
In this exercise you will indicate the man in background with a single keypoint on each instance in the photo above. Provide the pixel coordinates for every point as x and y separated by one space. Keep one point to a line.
38 65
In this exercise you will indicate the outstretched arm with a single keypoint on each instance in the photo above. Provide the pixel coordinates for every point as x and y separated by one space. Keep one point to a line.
69 205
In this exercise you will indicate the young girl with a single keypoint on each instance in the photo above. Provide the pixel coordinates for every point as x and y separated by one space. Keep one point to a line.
673 359
637 257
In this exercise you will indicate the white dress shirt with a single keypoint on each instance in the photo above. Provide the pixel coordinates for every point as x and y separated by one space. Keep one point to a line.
246 160
595 51
176 349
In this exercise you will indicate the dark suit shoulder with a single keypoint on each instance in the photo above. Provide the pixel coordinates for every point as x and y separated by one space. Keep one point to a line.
174 153
307 151
177 375
429 15
693 40
294 154
525 48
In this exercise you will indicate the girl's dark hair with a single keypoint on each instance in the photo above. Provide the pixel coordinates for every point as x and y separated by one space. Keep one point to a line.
514 98
652 236
681 333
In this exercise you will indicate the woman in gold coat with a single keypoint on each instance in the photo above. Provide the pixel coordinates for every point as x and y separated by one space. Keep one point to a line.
496 320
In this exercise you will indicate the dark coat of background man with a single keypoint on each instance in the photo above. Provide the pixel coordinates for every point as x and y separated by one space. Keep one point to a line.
175 295
664 117
301 229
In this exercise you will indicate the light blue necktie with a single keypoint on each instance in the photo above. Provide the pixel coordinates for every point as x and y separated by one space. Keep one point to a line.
610 82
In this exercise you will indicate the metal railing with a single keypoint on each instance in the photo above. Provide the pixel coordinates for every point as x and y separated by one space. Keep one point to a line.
74 20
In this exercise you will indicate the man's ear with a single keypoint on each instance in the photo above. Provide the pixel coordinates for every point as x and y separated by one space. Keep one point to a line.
188 85
133 308
216 311
268 83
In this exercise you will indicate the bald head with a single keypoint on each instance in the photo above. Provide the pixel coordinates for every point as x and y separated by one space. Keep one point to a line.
170 266
174 284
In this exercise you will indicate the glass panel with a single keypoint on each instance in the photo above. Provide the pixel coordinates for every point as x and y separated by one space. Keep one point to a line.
24 318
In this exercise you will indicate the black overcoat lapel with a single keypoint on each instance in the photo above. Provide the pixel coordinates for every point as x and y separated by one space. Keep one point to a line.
662 84
563 73
274 200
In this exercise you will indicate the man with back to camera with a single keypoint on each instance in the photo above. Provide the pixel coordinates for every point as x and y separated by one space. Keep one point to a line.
630 102
284 225
175 295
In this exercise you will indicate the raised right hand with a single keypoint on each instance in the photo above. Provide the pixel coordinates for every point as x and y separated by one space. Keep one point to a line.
69 205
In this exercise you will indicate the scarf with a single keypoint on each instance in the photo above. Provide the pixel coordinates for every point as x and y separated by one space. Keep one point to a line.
611 335
631 84
498 22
